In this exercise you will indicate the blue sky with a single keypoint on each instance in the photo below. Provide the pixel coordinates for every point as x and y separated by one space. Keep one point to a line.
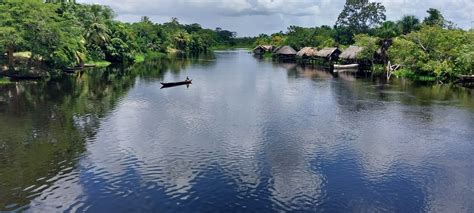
251 17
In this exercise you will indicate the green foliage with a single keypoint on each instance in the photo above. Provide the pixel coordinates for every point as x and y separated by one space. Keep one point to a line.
118 51
435 18
434 51
370 46
360 15
408 24
4 81
225 36
388 30
181 40
95 53
100 63
465 60
63 34
343 35
12 28
405 73
299 37
139 58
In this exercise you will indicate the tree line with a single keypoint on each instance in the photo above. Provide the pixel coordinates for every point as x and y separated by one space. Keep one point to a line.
432 47
63 33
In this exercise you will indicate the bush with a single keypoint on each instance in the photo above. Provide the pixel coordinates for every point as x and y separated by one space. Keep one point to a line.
118 51
60 59
95 53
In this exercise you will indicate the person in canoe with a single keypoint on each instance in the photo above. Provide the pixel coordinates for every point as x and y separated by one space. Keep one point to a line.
187 78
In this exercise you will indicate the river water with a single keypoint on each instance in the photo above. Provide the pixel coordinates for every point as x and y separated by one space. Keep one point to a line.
248 135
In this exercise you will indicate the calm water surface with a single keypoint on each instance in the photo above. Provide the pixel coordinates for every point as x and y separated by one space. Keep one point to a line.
248 135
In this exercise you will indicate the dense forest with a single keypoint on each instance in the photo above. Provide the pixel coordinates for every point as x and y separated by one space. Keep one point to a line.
68 34
36 33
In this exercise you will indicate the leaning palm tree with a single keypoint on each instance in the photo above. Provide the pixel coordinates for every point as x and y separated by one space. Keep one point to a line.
97 33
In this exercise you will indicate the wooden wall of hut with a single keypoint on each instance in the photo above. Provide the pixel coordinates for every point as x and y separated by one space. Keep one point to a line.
258 51
285 57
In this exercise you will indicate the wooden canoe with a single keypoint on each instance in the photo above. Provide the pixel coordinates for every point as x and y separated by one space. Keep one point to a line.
466 77
170 84
346 66
22 77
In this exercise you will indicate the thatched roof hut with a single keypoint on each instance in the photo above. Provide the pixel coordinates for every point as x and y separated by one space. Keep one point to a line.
307 52
285 50
285 53
351 52
330 53
262 49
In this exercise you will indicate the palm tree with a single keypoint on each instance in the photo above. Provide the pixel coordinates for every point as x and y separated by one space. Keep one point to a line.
98 34
181 40
408 24
388 30
386 33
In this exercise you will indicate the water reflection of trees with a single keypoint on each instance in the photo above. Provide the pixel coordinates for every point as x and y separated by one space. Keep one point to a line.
45 125
156 68
396 128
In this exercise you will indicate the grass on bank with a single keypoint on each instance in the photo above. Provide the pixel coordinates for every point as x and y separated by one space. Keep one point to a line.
100 63
4 81
25 54
139 58
267 55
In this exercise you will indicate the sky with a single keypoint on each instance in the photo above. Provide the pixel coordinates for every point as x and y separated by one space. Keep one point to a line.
252 17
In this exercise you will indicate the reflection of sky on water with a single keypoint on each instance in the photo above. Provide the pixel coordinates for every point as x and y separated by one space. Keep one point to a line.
245 136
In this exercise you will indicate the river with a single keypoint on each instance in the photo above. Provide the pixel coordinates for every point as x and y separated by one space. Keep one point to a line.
247 135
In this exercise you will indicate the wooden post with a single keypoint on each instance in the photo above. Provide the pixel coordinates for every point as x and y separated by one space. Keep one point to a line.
10 57
389 70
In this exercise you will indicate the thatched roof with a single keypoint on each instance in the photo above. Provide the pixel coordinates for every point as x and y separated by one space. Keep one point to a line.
351 52
326 52
266 48
307 51
276 49
286 50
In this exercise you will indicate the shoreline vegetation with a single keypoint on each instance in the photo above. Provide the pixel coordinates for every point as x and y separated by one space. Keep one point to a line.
38 37
432 50
41 36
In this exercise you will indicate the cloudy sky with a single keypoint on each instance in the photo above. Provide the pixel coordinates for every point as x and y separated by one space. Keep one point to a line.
251 17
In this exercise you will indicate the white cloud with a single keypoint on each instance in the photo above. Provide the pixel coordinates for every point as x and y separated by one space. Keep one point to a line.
251 17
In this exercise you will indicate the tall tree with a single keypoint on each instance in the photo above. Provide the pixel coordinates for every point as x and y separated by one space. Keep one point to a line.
434 18
96 30
360 15
386 33
12 28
